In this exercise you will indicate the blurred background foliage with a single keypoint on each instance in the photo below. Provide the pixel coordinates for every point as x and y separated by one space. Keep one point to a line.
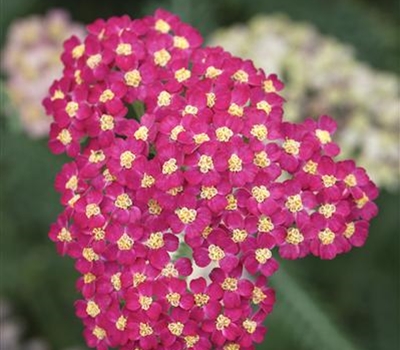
350 303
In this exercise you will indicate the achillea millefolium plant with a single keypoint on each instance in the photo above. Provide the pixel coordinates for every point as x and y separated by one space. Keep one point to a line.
182 162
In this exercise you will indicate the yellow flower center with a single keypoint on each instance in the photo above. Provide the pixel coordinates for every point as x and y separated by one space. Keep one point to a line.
92 309
323 136
154 207
106 122
241 76
138 278
77 76
230 284
145 302
261 159
88 278
260 132
164 99
222 322
98 233
231 346
176 131
125 242
123 201
169 167
107 176
310 167
326 236
93 61
121 323
213 72
107 95
205 163
147 181
92 209
162 57
291 147
215 253
99 333
155 241
116 281
133 78
260 193
362 201
294 236
89 254
126 159
327 210
72 183
96 156
71 108
235 163
170 271
189 109
239 235
182 74
124 49
200 138
350 180
176 328
64 137
173 298
142 133
257 296
265 224
73 200
201 299
235 110
58 95
294 203
186 215
350 229
64 235
211 98
191 340
250 326
77 51
329 180
208 192
232 202
264 106
223 134
162 26
268 86
145 329
262 255
206 232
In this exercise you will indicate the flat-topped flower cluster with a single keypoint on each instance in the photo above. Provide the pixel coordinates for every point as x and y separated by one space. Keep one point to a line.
177 147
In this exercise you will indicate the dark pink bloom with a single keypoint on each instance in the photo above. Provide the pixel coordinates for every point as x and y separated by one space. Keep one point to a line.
183 182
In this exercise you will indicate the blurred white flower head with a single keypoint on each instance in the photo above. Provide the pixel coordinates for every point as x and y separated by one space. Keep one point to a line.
323 75
31 62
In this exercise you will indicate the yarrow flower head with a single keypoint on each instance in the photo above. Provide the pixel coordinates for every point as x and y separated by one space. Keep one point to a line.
182 161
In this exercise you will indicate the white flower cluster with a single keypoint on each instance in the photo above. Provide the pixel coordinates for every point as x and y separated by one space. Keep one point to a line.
31 61
322 75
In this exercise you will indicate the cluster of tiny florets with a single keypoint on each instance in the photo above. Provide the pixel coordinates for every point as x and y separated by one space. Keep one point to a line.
177 149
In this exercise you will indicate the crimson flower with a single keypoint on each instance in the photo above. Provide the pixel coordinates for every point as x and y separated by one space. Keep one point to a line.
185 185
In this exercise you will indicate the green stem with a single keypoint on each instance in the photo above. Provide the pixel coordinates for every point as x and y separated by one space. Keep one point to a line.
305 317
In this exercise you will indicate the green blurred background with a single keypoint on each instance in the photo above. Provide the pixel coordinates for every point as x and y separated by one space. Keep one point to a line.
351 302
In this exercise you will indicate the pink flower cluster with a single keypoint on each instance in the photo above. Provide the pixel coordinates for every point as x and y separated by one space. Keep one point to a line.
176 149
